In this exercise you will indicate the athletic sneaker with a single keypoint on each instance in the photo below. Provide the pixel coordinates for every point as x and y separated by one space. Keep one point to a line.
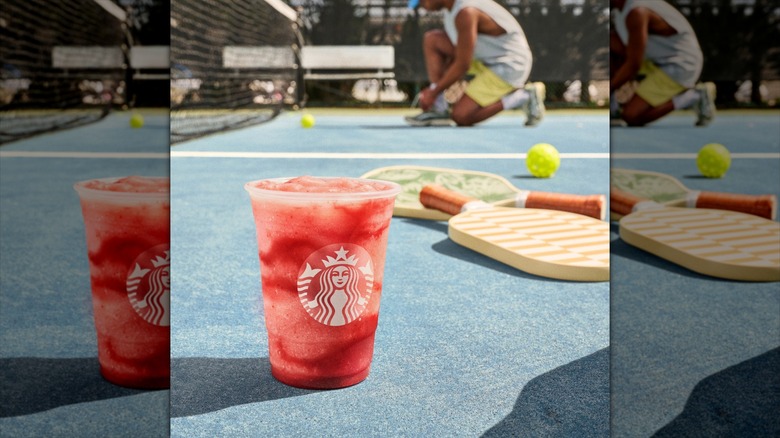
535 110
617 122
705 107
616 118
431 118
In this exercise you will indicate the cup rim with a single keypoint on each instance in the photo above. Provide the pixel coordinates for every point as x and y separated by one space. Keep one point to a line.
82 189
392 190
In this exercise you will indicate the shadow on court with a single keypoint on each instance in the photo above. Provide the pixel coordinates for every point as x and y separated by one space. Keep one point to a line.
655 126
202 385
384 127
401 125
339 127
742 400
30 384
571 400
531 177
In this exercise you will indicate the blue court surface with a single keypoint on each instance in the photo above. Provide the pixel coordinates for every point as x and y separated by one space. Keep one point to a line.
51 384
694 355
465 346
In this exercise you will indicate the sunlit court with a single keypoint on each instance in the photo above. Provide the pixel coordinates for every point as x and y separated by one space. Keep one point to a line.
270 218
465 342
448 314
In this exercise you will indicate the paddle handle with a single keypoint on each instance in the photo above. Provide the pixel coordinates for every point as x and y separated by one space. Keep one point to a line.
448 201
440 198
759 205
625 203
588 205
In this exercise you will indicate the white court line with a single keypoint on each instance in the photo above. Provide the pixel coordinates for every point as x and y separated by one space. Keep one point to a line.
746 155
358 155
434 156
47 154
366 155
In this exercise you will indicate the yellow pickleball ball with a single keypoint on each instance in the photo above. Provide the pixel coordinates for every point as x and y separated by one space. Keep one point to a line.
136 120
307 120
713 160
543 160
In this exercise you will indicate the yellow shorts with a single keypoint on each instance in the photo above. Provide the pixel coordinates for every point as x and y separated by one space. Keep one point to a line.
656 87
486 87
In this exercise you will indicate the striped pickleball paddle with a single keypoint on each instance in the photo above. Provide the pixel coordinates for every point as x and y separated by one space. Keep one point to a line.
549 243
719 243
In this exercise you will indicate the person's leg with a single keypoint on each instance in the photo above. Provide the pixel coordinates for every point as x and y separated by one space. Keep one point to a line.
653 98
617 51
439 53
700 98
617 56
483 97
467 112
638 112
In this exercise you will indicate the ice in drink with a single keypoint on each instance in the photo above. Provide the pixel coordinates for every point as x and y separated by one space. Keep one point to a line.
127 224
322 245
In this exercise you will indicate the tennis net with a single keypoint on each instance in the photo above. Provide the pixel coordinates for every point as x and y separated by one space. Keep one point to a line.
64 65
233 64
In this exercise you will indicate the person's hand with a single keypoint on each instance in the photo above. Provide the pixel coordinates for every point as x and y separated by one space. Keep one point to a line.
427 97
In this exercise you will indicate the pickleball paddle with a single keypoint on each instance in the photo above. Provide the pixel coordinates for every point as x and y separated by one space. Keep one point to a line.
667 190
548 243
487 187
719 243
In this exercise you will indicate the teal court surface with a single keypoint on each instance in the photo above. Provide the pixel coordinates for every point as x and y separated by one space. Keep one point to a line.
48 350
692 354
465 345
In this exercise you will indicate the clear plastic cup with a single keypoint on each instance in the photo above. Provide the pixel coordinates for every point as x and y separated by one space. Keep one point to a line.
127 225
322 244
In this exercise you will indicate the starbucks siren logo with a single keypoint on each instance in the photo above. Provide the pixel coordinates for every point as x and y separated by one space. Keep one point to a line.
335 283
149 285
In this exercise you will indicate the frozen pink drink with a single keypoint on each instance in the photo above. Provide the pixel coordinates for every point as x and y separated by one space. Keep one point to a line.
322 245
127 223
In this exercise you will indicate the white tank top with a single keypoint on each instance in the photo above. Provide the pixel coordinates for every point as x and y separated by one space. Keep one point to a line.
678 55
507 55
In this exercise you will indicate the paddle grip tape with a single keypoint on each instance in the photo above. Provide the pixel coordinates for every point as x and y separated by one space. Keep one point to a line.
692 198
521 198
475 205
646 205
